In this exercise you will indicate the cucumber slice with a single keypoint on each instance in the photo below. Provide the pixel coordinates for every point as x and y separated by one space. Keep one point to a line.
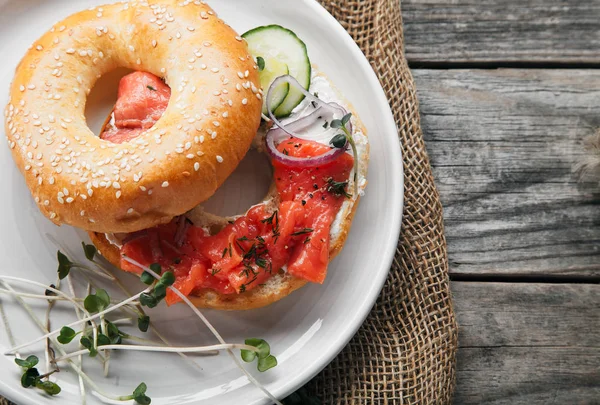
276 42
273 69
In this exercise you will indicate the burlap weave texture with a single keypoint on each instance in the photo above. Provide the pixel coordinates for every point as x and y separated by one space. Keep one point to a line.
405 351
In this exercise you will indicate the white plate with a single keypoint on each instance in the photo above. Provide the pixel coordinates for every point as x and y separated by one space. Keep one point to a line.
307 329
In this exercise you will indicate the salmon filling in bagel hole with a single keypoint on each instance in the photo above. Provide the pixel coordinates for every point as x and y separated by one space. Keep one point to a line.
246 252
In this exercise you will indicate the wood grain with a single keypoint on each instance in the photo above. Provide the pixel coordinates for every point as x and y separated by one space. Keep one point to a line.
527 343
503 144
491 31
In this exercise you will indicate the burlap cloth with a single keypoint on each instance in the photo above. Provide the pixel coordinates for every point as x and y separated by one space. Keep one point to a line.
405 351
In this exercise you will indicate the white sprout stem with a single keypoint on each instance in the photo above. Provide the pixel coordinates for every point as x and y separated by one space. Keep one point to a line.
196 349
79 358
59 292
210 327
154 329
11 338
76 323
107 354
52 297
47 322
72 364
123 321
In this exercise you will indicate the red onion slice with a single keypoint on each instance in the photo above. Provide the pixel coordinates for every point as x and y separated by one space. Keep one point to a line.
284 131
334 110
275 137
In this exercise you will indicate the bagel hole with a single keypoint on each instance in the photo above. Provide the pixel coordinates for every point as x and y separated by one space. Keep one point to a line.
102 99
247 186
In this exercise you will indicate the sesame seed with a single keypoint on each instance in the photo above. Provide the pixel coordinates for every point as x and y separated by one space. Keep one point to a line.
154 43
22 88
70 200
219 159
130 211
31 87
39 47
215 70
240 75
245 101
131 48
118 194
191 29
196 166
165 184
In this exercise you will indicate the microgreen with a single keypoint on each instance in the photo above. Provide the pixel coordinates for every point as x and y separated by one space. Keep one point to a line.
147 278
89 251
113 333
152 298
66 335
261 63
143 323
86 342
32 378
266 360
28 363
64 265
29 377
97 302
139 395
337 140
50 293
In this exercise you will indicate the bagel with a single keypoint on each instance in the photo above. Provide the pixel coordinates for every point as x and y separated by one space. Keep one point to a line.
282 283
78 179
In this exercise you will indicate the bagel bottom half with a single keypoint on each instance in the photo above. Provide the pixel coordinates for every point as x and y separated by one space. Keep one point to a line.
281 284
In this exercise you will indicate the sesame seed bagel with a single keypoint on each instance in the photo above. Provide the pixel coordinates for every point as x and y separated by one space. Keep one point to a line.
213 114
281 284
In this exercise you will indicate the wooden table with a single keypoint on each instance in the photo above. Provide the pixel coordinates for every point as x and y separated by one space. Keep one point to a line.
509 90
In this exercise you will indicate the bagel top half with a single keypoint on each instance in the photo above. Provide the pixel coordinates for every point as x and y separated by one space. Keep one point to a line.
79 179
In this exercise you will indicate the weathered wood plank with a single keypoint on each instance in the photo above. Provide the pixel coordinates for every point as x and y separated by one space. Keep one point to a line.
467 31
503 144
527 343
